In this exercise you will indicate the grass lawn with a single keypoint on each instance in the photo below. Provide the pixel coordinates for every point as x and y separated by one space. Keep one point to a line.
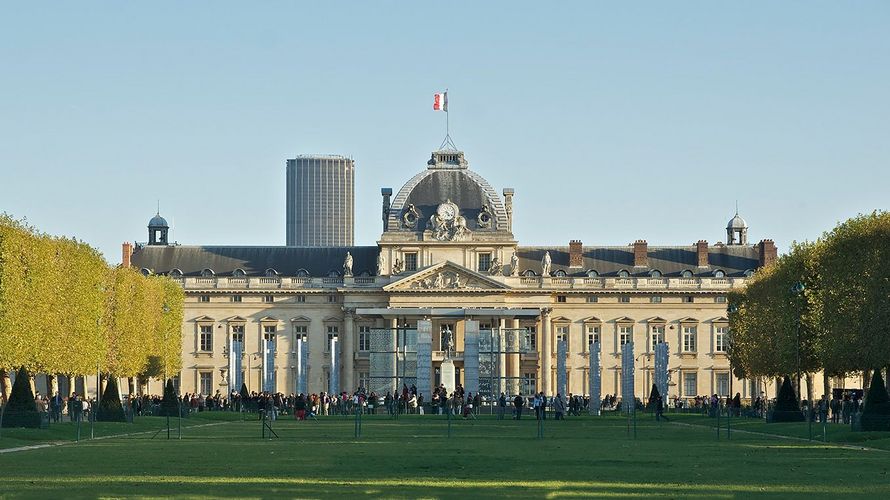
412 457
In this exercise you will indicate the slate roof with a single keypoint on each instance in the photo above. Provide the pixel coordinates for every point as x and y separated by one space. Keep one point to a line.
734 260
254 260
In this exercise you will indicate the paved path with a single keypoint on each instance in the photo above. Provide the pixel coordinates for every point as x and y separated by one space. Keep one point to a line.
63 443
782 436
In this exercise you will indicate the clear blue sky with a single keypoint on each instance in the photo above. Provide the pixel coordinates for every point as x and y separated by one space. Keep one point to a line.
612 122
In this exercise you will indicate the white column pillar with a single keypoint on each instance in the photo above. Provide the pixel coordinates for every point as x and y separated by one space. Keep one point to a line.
546 352
502 357
514 360
347 357
394 326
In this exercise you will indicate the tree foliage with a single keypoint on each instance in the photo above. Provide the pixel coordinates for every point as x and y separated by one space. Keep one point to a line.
63 309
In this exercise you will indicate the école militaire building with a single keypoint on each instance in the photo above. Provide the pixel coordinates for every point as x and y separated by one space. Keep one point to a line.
310 318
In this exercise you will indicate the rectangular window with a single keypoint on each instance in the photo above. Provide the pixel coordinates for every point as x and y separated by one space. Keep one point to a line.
332 299
657 335
593 334
592 299
689 334
484 262
206 338
689 299
625 334
364 339
236 298
204 298
655 299
562 333
529 384
624 299
531 338
301 298
268 299
333 333
238 333
364 379
411 261
560 298
720 299
300 333
720 339
269 333
722 382
690 384
206 383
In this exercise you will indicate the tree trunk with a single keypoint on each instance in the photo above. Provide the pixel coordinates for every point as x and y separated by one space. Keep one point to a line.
131 385
33 383
5 385
810 390
866 379
52 386
826 384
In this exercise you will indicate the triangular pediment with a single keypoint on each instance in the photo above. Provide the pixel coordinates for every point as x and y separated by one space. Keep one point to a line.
720 319
657 319
446 276
591 319
236 319
204 319
269 319
625 319
300 319
687 319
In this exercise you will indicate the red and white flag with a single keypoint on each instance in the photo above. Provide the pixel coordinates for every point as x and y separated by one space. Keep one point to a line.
440 102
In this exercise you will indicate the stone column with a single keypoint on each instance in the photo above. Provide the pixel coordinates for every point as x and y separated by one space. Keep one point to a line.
502 357
347 357
394 329
546 351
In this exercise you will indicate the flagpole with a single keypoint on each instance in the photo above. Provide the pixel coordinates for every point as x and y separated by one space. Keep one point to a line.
447 131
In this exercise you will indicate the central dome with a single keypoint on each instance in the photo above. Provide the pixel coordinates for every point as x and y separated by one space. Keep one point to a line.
447 178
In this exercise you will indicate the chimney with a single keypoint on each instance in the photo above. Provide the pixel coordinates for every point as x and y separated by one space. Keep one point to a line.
508 204
701 249
126 254
575 254
641 253
387 194
768 252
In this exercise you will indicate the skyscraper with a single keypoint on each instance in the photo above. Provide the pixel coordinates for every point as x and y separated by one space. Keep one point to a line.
320 201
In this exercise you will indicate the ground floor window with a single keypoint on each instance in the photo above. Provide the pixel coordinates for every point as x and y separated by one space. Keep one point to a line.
690 384
722 384
205 383
529 383
364 379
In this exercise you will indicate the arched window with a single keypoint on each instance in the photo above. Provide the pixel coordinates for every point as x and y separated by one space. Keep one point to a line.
176 273
749 273
719 273
302 273
207 273
623 274
145 271
333 273
559 273
592 274
271 273
239 273
655 273
365 274
529 273
686 273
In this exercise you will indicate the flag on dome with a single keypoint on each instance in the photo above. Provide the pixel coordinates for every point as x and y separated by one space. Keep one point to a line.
440 102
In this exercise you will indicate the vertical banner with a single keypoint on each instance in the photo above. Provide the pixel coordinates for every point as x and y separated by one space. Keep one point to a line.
302 367
628 399
596 380
269 365
334 386
561 376
424 358
661 370
236 349
471 356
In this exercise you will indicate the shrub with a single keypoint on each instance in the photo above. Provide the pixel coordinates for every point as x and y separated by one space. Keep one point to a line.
21 410
110 408
653 398
787 408
170 402
876 413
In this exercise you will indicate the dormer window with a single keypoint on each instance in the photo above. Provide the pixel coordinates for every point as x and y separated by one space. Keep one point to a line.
655 273
719 273
333 273
623 274
239 273
529 273
207 273
302 273
145 271
176 273
560 273
686 274
592 274
271 273
749 273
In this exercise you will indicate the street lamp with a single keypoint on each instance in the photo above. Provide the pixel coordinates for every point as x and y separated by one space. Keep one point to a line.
797 290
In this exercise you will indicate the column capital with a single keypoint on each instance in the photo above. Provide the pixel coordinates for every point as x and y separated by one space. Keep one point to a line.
348 312
545 311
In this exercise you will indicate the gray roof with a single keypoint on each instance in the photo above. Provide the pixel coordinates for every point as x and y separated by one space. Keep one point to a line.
736 223
224 260
671 261
158 221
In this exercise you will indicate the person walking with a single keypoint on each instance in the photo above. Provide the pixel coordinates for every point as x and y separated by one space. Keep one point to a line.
659 410
559 406
502 406
517 407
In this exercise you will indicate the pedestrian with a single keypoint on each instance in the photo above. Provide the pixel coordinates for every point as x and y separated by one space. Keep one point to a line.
517 407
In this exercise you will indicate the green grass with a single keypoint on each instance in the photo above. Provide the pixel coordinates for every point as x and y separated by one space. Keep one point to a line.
412 457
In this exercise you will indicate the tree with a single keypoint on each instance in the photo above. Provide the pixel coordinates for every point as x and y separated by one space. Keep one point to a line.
787 408
876 413
653 398
170 402
21 411
110 408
